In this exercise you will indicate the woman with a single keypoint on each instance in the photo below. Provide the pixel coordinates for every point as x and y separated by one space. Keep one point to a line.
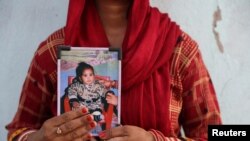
165 84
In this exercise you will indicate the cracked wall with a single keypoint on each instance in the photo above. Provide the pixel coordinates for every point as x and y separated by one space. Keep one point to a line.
222 30
216 19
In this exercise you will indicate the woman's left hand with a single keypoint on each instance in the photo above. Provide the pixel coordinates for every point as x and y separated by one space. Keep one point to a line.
126 133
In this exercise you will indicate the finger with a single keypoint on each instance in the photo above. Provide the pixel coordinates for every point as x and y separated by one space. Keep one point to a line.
101 81
56 121
84 121
110 102
125 138
120 131
109 94
86 137
108 99
79 132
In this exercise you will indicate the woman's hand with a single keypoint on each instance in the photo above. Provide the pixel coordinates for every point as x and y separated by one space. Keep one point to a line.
112 99
70 126
126 133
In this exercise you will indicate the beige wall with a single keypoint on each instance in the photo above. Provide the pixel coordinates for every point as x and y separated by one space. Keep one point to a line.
222 29
23 24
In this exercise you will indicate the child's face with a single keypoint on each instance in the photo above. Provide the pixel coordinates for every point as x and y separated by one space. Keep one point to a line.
87 76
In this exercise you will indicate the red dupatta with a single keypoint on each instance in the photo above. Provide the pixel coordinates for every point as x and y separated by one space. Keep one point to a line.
148 44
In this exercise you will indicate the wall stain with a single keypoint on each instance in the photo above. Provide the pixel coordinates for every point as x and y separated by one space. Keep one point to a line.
216 18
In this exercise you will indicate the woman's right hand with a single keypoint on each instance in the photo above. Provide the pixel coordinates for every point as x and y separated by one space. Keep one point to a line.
70 126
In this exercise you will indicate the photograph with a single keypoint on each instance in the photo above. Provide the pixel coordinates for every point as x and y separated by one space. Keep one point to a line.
90 77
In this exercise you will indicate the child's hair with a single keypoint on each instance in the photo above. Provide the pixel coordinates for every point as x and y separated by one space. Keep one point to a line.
81 67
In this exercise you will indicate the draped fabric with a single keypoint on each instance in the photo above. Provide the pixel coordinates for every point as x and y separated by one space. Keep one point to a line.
147 47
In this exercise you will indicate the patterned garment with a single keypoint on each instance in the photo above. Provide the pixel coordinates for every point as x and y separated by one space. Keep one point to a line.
89 96
193 103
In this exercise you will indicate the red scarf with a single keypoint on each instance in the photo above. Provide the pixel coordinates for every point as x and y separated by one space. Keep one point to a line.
148 44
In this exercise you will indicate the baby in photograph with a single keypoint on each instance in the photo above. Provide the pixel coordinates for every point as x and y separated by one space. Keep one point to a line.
86 91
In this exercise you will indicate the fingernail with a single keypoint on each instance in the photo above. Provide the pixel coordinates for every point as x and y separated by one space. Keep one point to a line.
102 134
92 124
84 110
89 136
89 118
